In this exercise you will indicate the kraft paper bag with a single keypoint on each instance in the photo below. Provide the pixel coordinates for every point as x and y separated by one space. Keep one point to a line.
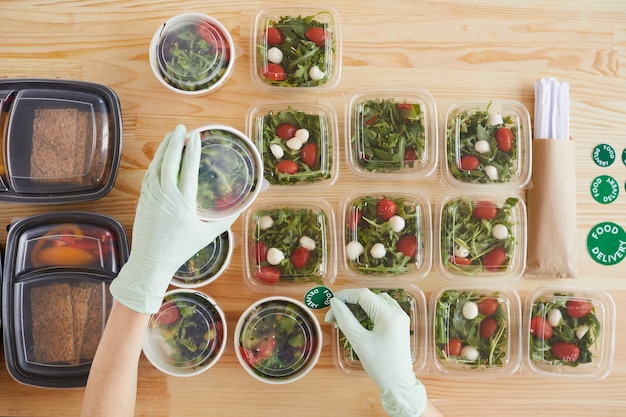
551 203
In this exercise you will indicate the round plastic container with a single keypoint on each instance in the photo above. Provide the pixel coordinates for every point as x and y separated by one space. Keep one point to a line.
208 264
569 332
278 340
386 237
480 235
487 144
192 54
289 244
475 331
231 172
391 133
297 142
190 316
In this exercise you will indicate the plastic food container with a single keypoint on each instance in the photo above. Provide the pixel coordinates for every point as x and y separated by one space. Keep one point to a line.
296 48
57 270
61 140
278 340
569 332
231 172
476 331
289 244
187 336
413 302
481 235
206 265
487 143
391 133
297 142
386 238
192 54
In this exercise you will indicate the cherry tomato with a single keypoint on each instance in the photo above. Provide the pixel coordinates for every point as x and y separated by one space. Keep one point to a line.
274 72
578 308
494 259
353 219
309 155
410 154
274 36
453 347
540 328
405 110
371 120
469 163
487 327
267 274
407 244
316 35
168 314
457 260
488 306
504 139
259 251
287 167
286 131
485 210
385 209
564 351
300 257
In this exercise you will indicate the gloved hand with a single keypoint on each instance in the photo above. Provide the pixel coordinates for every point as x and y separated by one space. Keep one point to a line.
167 230
384 351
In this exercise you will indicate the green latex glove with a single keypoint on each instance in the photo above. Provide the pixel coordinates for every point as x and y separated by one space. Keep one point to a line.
384 351
167 230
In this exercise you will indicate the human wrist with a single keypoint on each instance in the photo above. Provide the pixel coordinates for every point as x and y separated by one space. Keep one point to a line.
404 400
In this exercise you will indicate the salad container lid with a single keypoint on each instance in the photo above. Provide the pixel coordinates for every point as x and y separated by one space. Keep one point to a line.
62 140
207 264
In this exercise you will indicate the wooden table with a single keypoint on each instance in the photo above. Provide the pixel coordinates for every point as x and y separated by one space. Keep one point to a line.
454 49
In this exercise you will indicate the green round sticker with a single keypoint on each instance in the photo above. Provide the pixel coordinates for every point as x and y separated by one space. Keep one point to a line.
606 243
604 189
318 297
624 156
603 155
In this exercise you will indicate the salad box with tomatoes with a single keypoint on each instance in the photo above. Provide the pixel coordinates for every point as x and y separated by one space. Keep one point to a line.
569 332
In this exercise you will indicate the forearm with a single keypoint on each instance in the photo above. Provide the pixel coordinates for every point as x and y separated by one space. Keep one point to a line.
112 384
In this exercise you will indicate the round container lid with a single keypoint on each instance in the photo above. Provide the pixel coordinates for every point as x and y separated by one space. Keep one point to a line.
206 264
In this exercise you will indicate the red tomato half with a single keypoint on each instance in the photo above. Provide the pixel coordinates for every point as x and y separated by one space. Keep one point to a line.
259 251
457 260
564 351
287 167
487 327
410 154
578 308
267 274
274 72
300 257
385 209
540 328
407 244
504 139
168 314
316 35
485 210
488 306
453 348
274 36
494 259
286 131
309 155
468 163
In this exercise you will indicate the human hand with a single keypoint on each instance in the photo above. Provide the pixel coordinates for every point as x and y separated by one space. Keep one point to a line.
167 230
384 351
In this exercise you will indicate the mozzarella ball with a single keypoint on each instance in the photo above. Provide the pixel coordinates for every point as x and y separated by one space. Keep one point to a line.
294 144
275 256
492 172
378 250
582 331
302 134
275 55
461 252
316 73
397 223
470 353
495 119
470 310
353 250
265 222
482 146
499 231
277 151
307 243
554 317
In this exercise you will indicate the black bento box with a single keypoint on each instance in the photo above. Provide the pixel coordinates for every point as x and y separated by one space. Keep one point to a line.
60 140
55 297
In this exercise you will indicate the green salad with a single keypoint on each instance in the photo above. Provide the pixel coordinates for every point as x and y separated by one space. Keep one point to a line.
477 236
564 330
296 147
384 235
471 329
388 135
482 147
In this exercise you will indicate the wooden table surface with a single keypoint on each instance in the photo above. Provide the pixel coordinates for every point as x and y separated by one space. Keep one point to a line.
454 49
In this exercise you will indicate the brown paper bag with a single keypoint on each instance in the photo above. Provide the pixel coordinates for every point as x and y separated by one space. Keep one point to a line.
551 206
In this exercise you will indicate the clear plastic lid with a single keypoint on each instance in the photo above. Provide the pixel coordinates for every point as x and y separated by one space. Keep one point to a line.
569 332
392 132
475 331
207 264
487 144
481 235
386 237
187 335
297 141
277 340
231 172
289 244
